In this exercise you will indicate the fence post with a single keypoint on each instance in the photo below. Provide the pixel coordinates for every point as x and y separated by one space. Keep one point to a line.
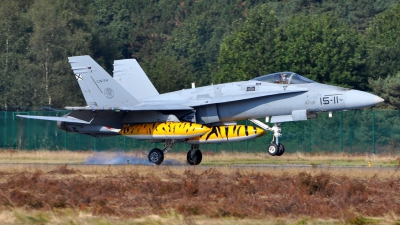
309 136
65 140
373 132
341 131
5 130
29 129
14 139
124 143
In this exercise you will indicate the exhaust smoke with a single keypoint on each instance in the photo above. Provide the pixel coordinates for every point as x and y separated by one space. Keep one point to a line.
118 158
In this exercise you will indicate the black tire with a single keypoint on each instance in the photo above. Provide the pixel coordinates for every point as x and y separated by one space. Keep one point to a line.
273 149
196 159
156 156
281 150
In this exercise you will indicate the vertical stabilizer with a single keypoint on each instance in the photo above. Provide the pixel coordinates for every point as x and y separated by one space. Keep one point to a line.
132 77
85 91
105 91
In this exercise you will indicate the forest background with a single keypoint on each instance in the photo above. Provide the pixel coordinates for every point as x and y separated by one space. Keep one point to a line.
353 44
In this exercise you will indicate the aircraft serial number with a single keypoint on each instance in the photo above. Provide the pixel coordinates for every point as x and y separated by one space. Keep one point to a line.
101 80
329 100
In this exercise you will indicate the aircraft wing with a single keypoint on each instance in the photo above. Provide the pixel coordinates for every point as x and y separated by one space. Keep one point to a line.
232 98
149 107
56 118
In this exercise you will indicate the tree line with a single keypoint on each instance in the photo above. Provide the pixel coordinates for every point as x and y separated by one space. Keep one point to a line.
348 43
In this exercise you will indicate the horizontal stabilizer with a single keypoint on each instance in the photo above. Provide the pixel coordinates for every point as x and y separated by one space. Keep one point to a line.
56 118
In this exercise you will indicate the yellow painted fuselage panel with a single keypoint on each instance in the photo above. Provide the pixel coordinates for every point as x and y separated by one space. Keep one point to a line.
164 130
219 134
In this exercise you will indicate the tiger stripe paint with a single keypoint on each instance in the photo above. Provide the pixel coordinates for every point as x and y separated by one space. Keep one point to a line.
164 130
220 134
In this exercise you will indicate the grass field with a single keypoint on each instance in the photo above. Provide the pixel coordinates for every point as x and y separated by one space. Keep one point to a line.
54 192
209 158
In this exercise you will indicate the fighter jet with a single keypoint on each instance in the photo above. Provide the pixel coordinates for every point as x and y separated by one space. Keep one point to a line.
130 105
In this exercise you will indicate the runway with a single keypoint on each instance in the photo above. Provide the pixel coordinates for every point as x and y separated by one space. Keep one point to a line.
233 166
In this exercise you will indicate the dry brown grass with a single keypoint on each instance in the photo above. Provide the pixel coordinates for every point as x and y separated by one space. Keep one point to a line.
137 193
43 156
67 216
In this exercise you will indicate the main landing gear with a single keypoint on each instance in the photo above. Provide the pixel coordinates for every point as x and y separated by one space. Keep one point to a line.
156 155
194 155
274 149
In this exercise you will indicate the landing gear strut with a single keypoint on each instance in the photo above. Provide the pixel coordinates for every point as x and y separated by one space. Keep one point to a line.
156 155
194 155
274 149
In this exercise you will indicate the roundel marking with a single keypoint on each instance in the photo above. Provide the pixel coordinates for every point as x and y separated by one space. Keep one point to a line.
109 93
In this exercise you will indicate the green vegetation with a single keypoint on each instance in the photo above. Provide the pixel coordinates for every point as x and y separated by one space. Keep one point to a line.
179 42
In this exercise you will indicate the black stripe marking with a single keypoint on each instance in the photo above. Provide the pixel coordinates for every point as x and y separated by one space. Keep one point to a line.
213 131
246 131
218 131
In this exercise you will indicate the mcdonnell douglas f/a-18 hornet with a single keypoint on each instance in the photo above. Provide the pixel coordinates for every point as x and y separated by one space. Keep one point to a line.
128 104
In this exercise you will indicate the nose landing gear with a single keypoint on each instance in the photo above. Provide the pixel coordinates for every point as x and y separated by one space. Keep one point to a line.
274 149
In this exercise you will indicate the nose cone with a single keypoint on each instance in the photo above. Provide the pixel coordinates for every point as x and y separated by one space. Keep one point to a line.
358 99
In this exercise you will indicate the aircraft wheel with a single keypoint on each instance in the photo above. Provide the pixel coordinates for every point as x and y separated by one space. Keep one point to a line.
156 156
273 149
281 150
196 159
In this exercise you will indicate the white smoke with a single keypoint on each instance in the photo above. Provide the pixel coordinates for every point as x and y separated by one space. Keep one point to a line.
119 158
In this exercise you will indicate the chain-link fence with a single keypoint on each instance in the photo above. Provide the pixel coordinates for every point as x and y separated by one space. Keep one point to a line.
350 131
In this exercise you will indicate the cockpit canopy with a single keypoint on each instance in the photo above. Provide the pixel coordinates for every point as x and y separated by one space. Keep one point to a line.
284 78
